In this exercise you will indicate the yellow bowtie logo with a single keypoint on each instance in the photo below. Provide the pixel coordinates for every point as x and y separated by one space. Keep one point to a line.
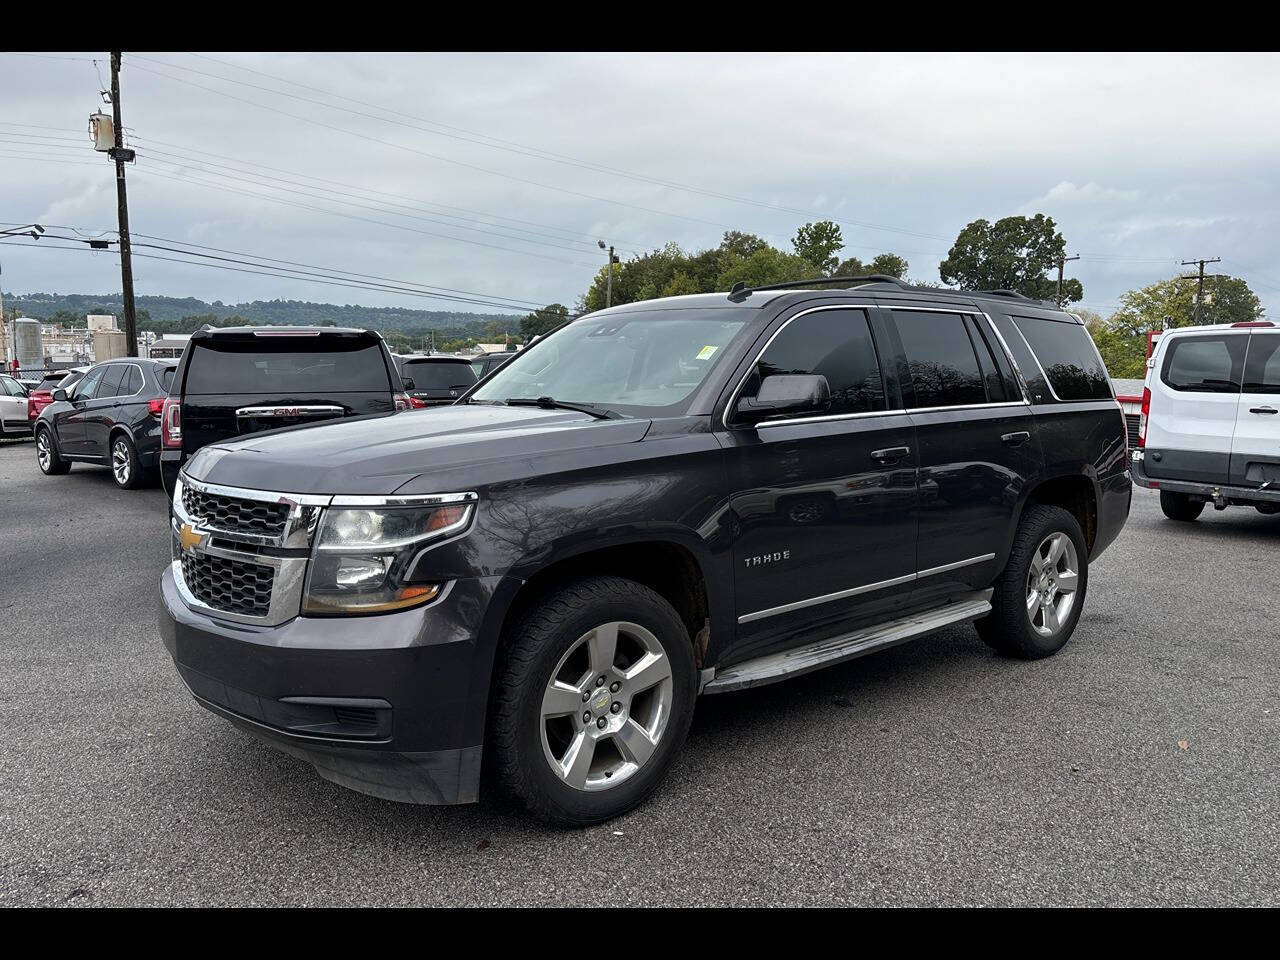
189 537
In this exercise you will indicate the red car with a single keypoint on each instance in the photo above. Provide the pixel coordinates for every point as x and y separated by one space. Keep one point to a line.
41 394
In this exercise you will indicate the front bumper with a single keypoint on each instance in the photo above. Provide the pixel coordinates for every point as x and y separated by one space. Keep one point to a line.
390 705
1216 493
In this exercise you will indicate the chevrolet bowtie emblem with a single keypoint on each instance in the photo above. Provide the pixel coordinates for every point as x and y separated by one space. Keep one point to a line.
189 537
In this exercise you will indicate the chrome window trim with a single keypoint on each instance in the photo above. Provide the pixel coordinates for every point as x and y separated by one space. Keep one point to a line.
733 397
968 406
1008 354
829 418
865 588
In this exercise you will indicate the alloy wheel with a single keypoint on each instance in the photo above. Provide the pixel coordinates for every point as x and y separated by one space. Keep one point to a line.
44 450
120 464
1051 584
606 706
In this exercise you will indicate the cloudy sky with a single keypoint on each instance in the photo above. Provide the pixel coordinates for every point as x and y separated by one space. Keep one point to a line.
497 174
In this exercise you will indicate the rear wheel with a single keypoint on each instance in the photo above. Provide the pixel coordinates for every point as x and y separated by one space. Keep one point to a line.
593 701
124 463
1037 601
47 455
1179 506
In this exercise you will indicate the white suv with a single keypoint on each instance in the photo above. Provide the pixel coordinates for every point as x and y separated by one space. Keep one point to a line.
1210 427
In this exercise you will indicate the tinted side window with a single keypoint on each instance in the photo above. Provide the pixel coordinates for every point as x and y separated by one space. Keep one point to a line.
836 344
110 384
1262 368
166 378
87 388
944 368
1066 352
11 387
991 359
1205 364
132 382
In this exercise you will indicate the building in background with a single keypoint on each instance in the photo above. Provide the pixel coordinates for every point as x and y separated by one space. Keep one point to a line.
170 345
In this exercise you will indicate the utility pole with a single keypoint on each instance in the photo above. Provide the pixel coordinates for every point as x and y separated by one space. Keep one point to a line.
1063 260
1199 283
608 290
119 155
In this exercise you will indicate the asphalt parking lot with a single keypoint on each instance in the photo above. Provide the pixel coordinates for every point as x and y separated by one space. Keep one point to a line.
1138 767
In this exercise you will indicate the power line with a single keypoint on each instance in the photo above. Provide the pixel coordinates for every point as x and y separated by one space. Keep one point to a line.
513 146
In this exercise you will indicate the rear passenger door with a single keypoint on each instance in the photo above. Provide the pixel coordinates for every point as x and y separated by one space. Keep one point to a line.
822 506
1255 447
975 440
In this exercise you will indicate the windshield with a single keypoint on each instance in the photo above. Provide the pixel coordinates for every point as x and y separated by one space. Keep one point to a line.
645 363
439 374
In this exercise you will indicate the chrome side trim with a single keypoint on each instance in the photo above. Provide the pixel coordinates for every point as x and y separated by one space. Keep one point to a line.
825 598
921 574
1008 354
832 418
968 406
865 588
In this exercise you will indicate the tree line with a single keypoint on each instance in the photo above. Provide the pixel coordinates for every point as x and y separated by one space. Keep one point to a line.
1014 253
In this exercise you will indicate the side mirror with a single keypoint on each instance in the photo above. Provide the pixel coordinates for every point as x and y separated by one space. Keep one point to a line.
59 394
408 383
786 394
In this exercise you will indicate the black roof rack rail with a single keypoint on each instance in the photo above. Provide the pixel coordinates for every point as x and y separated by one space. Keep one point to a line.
1004 293
741 291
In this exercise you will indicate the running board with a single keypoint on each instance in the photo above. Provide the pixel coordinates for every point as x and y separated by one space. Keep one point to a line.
823 653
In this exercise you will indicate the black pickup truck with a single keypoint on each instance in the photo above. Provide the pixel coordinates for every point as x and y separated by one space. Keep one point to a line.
685 496
233 381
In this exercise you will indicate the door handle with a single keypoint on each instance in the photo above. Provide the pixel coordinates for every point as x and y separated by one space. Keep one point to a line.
1016 438
891 454
1262 410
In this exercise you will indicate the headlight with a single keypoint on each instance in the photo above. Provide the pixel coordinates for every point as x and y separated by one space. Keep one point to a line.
363 555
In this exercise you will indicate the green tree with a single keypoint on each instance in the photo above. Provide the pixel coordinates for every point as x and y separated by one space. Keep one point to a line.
765 267
889 264
543 321
818 243
1015 253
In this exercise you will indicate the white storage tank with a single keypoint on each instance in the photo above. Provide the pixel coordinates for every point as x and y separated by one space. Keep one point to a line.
28 344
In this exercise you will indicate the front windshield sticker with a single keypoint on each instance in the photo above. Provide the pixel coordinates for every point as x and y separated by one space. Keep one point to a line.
706 352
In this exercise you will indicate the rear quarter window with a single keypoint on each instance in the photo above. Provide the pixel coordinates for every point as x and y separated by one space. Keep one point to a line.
1204 364
286 366
1069 359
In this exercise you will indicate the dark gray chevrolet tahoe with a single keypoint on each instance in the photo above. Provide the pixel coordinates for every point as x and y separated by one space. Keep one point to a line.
678 497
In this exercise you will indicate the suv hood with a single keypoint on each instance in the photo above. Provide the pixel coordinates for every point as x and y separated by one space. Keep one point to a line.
378 455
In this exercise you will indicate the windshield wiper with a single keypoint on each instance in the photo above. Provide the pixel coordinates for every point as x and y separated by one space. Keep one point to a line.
550 403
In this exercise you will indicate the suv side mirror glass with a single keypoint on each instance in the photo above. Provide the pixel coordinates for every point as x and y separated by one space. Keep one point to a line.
59 394
786 393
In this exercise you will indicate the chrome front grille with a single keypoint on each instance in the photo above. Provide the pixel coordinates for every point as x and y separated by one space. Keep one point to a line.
235 514
241 554
231 586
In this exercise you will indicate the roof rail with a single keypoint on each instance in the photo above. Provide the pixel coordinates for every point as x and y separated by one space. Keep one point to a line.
1003 293
740 291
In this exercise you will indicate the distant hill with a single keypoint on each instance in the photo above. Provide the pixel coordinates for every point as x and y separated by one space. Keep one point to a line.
166 314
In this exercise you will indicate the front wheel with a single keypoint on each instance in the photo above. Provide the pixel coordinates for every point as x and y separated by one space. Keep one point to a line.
1036 602
1179 506
593 701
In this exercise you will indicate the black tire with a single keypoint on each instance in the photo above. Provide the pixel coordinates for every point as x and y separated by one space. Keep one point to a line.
53 465
1179 506
121 444
531 651
1009 628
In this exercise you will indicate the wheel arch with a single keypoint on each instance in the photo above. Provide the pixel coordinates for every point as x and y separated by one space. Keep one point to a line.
1075 492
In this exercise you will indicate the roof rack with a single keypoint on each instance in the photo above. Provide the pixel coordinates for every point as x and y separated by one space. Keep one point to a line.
740 291
1004 293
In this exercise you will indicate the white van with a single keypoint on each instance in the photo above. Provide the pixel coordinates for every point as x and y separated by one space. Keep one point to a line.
1210 424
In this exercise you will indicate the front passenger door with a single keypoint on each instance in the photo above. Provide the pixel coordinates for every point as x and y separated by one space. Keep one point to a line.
823 505
68 425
